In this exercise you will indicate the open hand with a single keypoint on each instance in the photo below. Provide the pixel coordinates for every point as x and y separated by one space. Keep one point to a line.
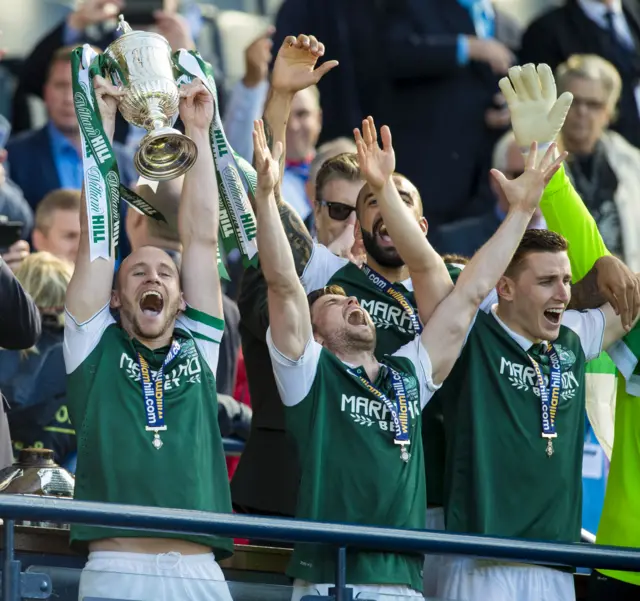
267 166
196 105
108 97
376 164
524 192
537 114
620 287
294 69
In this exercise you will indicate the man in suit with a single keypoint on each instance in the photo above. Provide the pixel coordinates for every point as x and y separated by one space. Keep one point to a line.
427 68
466 236
608 28
49 158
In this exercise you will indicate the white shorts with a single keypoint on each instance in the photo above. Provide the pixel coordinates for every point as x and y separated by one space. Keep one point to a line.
435 521
148 577
468 579
370 592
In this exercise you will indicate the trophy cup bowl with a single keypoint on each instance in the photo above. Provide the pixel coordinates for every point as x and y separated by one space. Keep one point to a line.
141 63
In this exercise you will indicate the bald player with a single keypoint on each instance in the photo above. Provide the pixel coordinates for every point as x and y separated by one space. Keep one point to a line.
142 392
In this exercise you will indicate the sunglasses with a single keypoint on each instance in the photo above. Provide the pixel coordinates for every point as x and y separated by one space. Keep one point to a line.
337 210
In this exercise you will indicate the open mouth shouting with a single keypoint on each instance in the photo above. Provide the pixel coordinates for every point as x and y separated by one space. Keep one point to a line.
151 303
356 317
380 232
554 315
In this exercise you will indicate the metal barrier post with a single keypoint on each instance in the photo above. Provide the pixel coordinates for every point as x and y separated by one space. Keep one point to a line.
341 592
16 585
11 568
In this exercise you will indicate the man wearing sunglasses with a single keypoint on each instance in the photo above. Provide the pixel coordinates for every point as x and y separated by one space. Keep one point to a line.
338 184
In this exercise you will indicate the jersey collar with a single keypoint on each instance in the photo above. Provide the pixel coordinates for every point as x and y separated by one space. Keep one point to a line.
523 342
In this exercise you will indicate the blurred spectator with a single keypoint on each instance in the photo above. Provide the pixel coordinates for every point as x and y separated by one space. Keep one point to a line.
34 381
57 227
303 130
20 328
94 22
246 102
12 202
267 477
55 149
144 231
466 236
604 167
427 68
608 28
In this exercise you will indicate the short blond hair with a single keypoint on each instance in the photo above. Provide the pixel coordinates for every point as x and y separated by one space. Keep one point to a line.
594 68
62 199
46 278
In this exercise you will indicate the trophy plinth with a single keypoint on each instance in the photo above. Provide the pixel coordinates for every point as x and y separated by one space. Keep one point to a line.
141 63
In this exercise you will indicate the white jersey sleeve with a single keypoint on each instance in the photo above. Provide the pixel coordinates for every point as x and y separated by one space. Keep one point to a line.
589 326
80 339
294 379
321 267
487 303
207 332
416 352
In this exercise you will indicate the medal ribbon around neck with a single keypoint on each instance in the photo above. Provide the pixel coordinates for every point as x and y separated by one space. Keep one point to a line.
153 393
387 288
549 397
399 409
103 189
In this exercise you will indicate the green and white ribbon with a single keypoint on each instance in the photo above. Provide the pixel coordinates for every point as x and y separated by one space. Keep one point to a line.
103 188
236 177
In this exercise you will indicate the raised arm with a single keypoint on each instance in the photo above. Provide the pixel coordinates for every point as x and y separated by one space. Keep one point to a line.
431 280
537 113
293 70
289 316
198 210
90 287
445 333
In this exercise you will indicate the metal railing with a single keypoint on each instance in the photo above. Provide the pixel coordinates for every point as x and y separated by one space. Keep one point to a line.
13 507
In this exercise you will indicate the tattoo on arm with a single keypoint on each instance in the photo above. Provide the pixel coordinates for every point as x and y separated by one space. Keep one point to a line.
585 293
268 131
298 235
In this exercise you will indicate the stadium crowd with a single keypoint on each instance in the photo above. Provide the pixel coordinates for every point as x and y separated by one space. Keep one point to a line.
438 331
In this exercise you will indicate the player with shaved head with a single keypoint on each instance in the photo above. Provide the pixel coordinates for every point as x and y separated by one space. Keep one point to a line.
142 392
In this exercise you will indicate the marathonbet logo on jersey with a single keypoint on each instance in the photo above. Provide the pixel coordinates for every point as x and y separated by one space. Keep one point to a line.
523 377
368 412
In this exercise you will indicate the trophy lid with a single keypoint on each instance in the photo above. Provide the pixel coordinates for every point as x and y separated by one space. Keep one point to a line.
36 473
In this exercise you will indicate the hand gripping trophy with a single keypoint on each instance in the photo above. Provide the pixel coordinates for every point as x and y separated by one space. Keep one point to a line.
142 64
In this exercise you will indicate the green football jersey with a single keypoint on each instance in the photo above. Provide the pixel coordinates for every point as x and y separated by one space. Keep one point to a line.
352 472
117 462
393 329
499 480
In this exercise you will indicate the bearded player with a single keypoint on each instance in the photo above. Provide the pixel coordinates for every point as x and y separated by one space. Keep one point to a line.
142 394
357 420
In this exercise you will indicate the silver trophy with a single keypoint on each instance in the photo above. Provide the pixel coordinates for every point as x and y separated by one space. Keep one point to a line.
141 63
